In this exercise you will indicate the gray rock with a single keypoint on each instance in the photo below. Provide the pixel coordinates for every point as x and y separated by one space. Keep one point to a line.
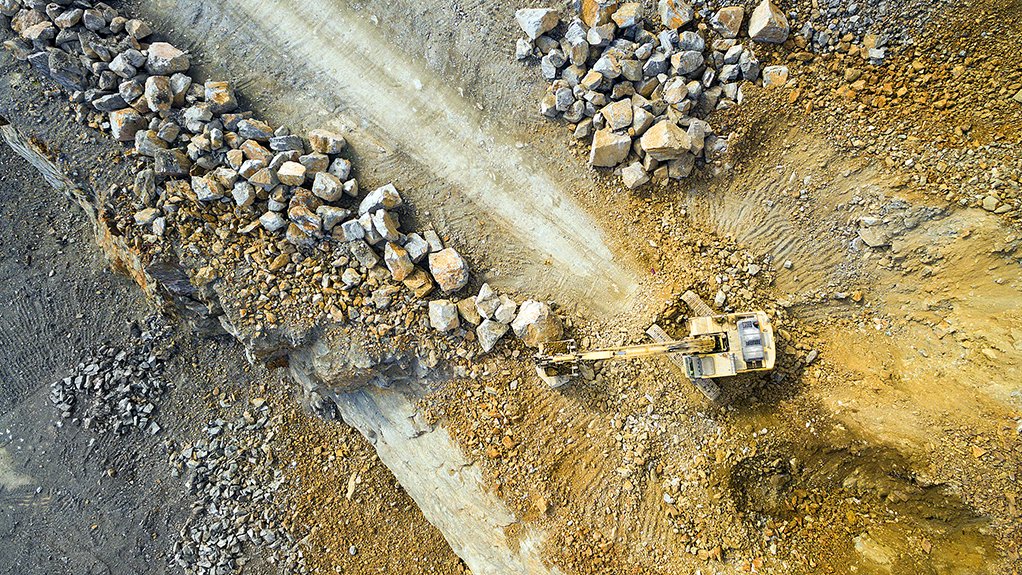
537 21
675 14
207 189
416 246
254 130
331 216
272 222
363 253
768 24
489 333
386 224
351 230
634 176
385 197
244 194
327 187
164 59
537 324
109 103
397 261
327 142
449 269
443 315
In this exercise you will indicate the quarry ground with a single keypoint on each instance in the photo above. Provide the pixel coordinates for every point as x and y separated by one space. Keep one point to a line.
888 441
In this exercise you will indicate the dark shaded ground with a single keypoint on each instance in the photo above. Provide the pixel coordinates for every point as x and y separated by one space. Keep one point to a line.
72 501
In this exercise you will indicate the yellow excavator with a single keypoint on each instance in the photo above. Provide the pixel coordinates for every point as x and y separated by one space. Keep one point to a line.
718 345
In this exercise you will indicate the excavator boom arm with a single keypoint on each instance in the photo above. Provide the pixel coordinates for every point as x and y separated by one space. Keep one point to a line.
688 345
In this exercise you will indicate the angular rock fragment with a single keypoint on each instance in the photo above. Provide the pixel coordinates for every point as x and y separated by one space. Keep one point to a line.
597 12
728 21
489 333
272 221
775 76
331 216
349 231
385 197
220 97
158 94
164 59
255 130
291 174
675 13
327 187
138 29
443 315
618 114
386 224
609 149
536 324
363 253
449 269
537 21
634 176
125 123
628 14
768 24
665 141
397 261
327 142
207 189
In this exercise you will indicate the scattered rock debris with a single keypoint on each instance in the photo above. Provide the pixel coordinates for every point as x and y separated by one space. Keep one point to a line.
115 389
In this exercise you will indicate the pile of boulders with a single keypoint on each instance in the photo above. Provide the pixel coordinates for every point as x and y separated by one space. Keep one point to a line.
492 315
202 157
116 389
641 96
231 474
202 149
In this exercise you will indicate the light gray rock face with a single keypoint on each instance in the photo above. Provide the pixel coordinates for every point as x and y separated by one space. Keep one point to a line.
536 323
164 59
609 149
385 197
768 24
443 315
489 333
537 21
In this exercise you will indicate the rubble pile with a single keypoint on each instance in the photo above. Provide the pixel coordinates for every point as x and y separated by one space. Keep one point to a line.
115 389
641 97
232 476
238 197
492 315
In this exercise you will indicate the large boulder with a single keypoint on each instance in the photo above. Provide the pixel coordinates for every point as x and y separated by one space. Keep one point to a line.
609 149
768 24
536 323
536 21
449 269
665 141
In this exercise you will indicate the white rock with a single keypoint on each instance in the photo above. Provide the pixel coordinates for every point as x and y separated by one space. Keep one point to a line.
443 315
537 21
